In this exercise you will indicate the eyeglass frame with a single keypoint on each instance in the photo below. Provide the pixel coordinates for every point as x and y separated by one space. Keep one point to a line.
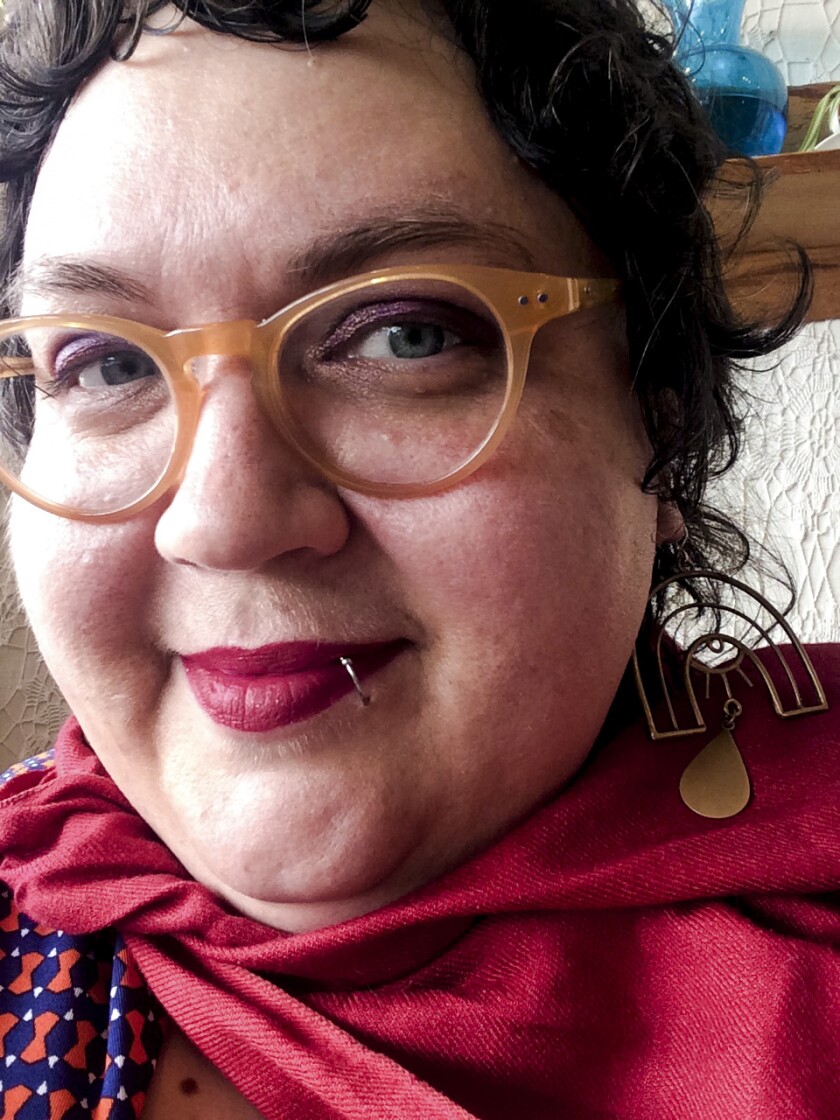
521 303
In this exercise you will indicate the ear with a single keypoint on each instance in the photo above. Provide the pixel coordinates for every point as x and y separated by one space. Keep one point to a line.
670 526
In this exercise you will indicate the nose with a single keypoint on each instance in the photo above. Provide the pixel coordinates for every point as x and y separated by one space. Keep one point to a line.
246 497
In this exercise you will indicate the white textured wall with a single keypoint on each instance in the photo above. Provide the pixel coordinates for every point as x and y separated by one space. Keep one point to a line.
787 488
801 36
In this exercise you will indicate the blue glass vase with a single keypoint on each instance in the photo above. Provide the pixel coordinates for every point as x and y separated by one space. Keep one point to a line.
743 92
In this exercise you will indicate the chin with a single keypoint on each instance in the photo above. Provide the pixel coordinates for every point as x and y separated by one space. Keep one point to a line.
350 862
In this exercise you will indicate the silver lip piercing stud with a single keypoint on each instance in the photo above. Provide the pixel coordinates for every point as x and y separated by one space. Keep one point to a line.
348 665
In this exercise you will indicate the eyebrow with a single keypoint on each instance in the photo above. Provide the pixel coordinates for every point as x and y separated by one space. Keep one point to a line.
337 255
49 276
329 257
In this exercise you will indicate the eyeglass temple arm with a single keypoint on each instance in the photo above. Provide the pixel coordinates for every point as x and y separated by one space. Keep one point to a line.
15 367
593 293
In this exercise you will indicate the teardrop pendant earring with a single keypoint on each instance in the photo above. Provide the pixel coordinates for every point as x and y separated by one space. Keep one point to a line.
716 783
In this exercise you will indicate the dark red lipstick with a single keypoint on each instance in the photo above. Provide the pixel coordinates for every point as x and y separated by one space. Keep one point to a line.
277 685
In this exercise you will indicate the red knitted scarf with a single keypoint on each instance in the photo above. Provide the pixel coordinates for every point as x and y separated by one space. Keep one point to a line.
613 956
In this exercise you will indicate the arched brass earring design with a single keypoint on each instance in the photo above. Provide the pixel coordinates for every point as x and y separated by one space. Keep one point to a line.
716 783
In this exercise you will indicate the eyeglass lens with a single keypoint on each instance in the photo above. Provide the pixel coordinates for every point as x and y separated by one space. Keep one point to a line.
397 382
91 422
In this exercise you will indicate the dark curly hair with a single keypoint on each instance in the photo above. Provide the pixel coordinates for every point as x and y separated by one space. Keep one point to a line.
588 96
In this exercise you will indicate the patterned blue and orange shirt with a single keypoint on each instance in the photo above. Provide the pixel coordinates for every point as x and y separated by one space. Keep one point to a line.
79 1031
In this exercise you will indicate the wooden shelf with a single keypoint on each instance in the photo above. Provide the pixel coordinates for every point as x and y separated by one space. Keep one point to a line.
802 205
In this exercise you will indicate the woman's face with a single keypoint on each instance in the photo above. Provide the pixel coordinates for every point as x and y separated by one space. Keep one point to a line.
205 169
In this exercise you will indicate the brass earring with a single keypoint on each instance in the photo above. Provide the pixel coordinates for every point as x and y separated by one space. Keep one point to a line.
716 783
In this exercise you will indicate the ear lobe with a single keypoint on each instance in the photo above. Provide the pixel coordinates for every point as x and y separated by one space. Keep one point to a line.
670 526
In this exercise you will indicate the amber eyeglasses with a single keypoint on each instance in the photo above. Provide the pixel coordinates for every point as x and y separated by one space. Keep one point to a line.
394 383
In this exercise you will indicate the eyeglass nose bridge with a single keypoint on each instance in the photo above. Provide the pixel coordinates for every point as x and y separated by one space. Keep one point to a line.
234 339
238 338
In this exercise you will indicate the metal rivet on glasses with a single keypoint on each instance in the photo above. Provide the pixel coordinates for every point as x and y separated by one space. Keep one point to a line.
348 665
543 297
523 300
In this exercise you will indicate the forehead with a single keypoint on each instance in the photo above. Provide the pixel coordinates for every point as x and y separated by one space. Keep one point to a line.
205 153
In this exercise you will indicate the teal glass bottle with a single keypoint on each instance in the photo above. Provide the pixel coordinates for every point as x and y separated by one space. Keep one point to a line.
743 92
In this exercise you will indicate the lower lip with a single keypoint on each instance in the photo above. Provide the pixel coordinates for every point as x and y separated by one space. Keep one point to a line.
264 703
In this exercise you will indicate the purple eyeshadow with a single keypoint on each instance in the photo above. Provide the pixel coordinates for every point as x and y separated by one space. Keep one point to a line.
83 349
403 311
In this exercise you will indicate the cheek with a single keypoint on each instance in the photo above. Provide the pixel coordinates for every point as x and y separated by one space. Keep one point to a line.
534 547
86 590
530 582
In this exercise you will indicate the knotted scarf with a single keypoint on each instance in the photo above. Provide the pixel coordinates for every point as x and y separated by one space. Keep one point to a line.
614 955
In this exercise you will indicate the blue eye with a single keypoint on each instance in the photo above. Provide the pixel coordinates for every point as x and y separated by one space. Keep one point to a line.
404 341
101 362
121 368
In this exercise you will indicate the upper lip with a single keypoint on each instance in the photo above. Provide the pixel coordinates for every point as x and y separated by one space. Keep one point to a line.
280 658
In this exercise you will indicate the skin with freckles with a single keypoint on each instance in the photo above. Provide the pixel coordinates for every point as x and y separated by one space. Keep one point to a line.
203 167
